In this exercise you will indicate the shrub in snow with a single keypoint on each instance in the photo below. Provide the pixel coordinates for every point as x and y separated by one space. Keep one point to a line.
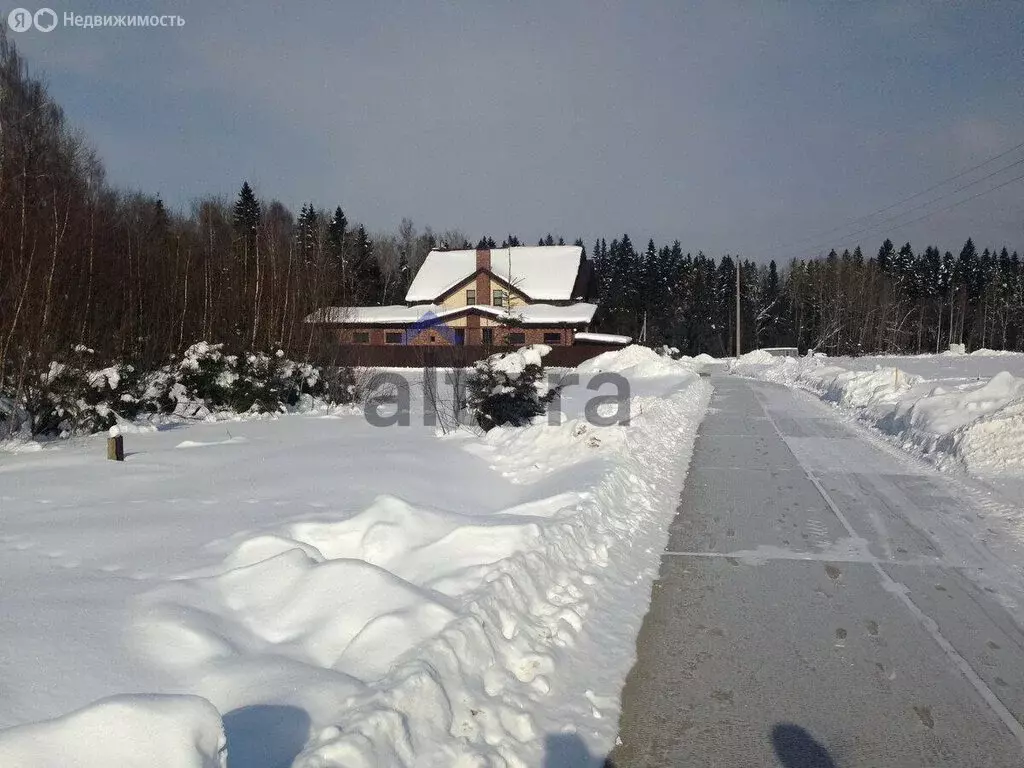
260 382
75 395
509 388
338 386
203 377
72 397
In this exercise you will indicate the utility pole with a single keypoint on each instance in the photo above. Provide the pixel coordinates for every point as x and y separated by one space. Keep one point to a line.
737 307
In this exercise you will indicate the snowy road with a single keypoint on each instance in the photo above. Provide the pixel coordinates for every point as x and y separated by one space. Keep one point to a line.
825 601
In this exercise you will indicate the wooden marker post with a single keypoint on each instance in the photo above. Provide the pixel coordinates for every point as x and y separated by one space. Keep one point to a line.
115 445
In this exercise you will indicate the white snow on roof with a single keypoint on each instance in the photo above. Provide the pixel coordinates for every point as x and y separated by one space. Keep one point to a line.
604 338
398 314
545 272
547 313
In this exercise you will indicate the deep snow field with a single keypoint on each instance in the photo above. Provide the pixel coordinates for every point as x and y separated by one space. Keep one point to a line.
337 594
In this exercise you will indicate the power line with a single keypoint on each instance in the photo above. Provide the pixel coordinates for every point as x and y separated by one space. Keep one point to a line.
965 200
934 186
925 204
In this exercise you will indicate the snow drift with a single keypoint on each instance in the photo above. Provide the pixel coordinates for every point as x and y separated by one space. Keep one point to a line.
122 731
417 636
636 361
975 424
410 628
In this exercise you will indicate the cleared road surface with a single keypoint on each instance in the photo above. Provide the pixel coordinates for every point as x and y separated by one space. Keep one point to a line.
821 602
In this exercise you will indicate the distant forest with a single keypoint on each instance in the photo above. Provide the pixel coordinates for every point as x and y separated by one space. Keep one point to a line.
895 301
84 263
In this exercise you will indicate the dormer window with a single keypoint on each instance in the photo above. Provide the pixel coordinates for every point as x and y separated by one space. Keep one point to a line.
470 297
499 298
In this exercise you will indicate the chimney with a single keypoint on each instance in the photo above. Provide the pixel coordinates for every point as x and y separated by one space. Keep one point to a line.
483 258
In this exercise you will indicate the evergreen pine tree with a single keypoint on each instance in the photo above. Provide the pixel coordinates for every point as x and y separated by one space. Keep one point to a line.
771 322
369 282
886 256
336 234
246 216
306 232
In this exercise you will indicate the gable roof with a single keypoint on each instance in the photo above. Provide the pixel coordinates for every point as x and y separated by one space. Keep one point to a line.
541 273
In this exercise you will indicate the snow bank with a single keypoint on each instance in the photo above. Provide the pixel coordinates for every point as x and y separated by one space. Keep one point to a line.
344 595
757 357
19 444
994 353
638 362
975 424
415 636
541 624
123 731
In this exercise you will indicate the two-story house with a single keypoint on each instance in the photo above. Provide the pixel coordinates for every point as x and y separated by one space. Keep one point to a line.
481 298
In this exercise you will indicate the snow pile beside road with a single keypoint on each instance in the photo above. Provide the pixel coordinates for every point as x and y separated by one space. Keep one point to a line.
983 426
983 352
417 636
343 594
758 357
122 731
976 424
637 362
521 658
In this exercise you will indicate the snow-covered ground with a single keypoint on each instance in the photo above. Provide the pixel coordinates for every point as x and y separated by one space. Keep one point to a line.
342 594
962 412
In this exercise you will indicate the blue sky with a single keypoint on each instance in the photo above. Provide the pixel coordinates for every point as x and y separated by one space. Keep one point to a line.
742 127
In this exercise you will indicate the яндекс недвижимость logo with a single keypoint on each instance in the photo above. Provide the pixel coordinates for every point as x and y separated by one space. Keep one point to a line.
46 20
22 20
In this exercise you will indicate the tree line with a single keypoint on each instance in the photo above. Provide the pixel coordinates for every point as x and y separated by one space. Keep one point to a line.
895 301
84 263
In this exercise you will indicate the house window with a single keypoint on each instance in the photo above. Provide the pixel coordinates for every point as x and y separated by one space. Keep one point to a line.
470 297
499 298
393 337
361 337
553 338
433 337
517 337
488 337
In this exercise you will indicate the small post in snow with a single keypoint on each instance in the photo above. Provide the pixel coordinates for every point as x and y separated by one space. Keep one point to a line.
115 444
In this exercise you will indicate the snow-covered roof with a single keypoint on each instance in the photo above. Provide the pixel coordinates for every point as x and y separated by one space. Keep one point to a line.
397 313
603 338
543 272
401 314
581 312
